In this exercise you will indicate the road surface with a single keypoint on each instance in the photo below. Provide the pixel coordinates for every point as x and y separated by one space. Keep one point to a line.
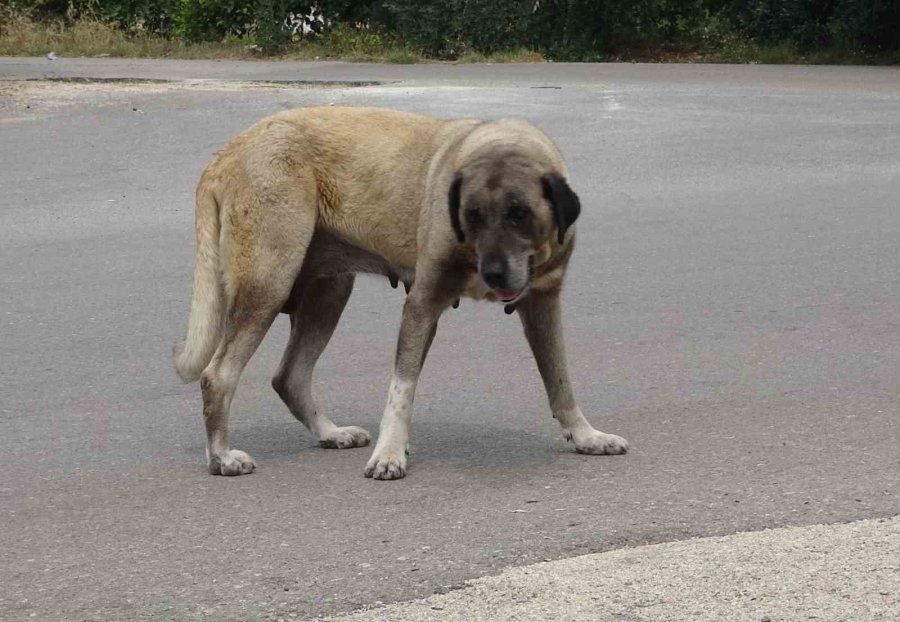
732 309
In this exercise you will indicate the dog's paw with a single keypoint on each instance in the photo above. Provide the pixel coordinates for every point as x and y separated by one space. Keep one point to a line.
344 438
599 444
387 465
232 462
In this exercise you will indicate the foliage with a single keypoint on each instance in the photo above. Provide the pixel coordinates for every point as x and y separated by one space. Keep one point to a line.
209 20
272 30
557 29
452 28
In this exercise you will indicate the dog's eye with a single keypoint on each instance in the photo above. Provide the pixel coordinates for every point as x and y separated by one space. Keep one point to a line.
517 214
473 217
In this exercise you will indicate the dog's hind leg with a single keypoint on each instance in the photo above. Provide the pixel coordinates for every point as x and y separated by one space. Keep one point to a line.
262 262
313 322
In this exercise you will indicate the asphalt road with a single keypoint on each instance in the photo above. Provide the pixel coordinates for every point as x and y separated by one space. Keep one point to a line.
733 310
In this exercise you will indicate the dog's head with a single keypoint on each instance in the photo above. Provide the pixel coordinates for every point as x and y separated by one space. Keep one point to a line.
507 207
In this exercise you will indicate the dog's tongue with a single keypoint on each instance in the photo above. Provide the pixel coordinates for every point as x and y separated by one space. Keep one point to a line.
505 295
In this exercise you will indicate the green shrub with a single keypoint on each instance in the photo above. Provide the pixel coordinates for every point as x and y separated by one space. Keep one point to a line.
272 33
457 27
871 24
147 16
559 29
351 42
212 20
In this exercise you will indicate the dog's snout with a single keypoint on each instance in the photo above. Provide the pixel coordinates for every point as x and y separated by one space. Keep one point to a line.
494 271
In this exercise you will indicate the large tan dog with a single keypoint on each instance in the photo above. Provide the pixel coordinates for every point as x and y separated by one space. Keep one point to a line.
290 210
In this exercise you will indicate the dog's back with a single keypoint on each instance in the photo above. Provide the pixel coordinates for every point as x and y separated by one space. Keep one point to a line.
367 168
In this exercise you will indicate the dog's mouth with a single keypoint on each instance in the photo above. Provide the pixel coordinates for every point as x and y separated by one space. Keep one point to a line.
508 296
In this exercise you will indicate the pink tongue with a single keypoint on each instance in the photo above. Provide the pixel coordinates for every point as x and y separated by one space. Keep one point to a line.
505 294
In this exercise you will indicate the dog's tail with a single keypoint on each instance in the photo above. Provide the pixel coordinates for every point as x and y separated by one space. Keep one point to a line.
204 325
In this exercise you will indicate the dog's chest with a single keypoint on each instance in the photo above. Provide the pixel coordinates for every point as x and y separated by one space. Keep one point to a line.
477 290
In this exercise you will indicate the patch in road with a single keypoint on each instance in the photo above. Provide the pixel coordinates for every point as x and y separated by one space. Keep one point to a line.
216 84
21 99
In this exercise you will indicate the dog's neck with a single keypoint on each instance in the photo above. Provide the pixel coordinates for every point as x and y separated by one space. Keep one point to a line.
546 262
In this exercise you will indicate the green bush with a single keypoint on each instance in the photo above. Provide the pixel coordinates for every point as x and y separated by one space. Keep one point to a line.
429 26
802 22
599 29
212 20
152 16
272 33
572 30
350 42
559 29
871 24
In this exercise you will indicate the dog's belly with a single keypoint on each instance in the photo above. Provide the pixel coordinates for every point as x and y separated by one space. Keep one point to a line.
330 256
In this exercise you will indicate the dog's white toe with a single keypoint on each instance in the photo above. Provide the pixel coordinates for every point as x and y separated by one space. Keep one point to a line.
600 444
388 465
232 462
345 438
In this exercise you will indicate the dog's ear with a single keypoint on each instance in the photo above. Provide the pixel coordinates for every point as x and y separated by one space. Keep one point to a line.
453 200
564 201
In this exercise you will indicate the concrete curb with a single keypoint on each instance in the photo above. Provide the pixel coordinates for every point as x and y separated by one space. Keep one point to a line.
824 572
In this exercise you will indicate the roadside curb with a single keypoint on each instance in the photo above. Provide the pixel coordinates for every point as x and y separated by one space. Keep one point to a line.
824 572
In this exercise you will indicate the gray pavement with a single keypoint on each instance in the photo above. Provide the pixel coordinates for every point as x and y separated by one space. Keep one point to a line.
732 310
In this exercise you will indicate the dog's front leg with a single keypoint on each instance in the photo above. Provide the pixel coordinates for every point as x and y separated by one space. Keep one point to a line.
541 318
417 328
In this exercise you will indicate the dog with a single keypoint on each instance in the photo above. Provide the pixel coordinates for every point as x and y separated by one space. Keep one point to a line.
289 211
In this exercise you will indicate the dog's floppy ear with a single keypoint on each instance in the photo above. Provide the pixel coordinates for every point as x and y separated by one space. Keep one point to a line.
564 201
453 200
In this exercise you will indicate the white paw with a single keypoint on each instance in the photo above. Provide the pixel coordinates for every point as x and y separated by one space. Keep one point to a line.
344 438
389 464
232 462
597 443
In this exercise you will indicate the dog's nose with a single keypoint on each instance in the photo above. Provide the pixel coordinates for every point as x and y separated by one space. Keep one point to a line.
493 272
